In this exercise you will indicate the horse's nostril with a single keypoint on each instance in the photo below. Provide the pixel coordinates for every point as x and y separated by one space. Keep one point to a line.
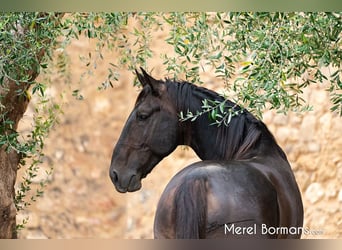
114 176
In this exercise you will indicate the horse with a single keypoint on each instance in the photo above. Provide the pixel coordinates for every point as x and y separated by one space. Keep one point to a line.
244 186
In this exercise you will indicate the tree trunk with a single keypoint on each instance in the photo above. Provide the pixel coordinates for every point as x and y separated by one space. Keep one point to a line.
8 172
13 107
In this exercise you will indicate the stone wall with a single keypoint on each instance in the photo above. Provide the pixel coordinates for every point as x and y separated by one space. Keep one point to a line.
313 144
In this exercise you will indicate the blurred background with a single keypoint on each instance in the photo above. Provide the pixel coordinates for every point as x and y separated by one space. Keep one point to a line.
80 201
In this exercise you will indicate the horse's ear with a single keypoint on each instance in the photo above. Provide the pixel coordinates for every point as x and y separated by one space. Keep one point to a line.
141 78
146 79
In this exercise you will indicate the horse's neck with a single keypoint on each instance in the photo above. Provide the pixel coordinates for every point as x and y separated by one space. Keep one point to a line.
189 131
205 140
208 141
209 144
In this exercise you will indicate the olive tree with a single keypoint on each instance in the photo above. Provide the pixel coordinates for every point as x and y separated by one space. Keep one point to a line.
264 60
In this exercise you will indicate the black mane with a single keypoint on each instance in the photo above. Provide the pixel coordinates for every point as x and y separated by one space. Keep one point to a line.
244 137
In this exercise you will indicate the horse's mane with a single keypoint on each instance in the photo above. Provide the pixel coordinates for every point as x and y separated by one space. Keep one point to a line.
244 132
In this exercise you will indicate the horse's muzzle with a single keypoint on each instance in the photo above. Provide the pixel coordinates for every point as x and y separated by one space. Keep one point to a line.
123 184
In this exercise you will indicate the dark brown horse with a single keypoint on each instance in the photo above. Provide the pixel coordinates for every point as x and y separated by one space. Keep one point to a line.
244 187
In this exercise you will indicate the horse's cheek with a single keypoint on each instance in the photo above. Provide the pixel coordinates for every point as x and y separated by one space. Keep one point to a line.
166 142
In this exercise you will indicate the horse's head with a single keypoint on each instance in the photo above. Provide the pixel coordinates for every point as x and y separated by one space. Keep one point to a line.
150 134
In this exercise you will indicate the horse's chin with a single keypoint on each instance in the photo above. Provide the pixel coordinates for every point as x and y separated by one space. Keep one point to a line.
133 186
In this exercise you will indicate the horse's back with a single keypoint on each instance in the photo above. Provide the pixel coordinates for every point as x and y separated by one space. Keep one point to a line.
238 198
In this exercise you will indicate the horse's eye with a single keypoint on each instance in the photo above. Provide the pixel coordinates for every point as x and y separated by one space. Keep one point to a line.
142 117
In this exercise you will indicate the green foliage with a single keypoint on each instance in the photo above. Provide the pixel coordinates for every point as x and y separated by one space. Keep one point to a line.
26 44
113 31
267 59
217 112
23 36
31 149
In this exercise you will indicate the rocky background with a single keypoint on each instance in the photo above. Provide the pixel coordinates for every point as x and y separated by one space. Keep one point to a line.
80 201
